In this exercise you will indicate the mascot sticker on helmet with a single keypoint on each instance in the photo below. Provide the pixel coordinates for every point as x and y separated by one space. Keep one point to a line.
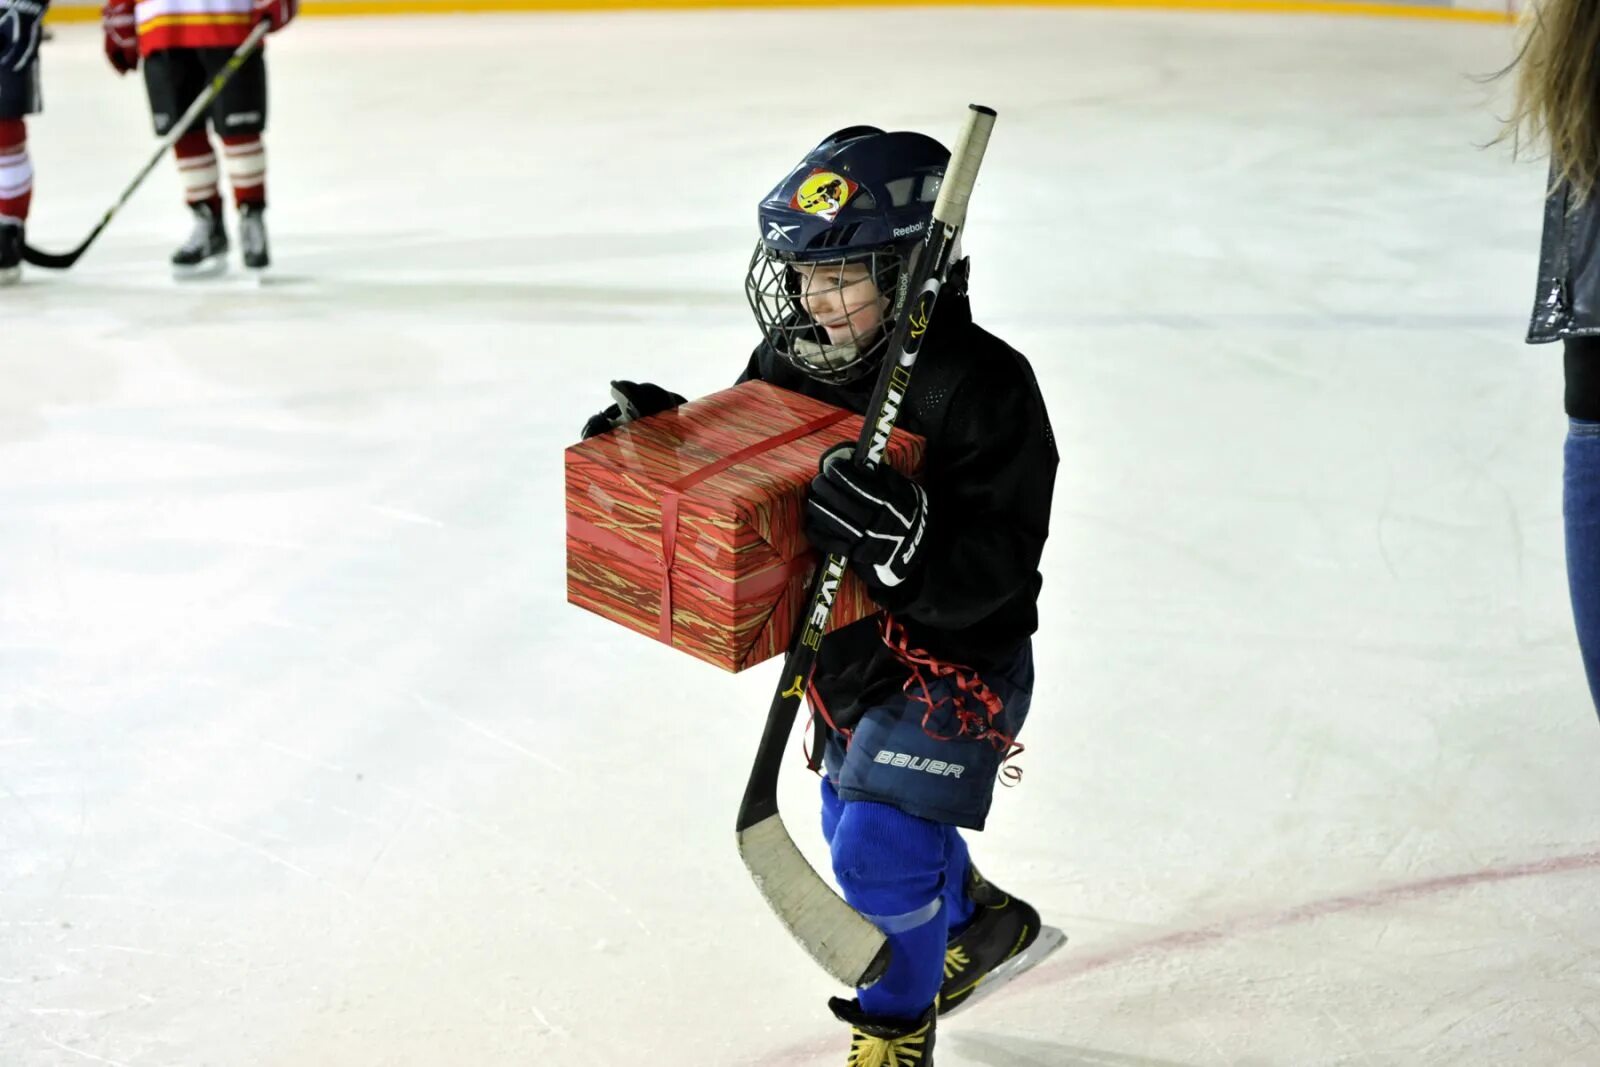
823 193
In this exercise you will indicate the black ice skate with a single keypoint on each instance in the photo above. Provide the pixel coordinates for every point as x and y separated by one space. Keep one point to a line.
206 251
1004 939
10 253
876 1042
253 236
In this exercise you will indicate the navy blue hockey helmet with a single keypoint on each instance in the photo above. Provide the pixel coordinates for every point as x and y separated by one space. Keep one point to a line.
852 211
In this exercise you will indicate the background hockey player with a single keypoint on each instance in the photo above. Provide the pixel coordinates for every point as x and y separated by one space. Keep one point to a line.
183 44
19 98
947 675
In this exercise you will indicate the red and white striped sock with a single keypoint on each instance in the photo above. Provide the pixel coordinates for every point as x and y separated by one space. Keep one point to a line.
197 167
246 162
16 172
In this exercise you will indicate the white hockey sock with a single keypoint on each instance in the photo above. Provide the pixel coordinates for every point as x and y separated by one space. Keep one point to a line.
246 163
16 182
198 172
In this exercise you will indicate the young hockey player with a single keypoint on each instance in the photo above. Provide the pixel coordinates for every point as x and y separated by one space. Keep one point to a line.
19 97
921 705
184 43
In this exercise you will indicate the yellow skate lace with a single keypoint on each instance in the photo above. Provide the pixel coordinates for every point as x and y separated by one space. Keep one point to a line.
956 960
903 1051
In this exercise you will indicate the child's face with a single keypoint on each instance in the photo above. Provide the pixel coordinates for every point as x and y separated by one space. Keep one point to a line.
843 299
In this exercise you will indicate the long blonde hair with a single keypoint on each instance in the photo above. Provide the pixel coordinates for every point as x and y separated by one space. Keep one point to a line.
1558 89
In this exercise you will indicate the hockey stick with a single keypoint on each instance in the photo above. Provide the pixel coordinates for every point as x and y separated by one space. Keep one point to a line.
837 936
51 260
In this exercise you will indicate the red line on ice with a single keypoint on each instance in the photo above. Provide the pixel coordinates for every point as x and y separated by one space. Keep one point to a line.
1068 965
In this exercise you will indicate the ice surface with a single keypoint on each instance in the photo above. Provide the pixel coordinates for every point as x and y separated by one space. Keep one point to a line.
305 761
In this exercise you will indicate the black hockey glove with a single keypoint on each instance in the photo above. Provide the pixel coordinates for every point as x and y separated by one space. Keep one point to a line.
635 400
876 518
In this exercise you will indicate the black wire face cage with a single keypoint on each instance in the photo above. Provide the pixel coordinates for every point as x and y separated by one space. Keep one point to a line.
778 290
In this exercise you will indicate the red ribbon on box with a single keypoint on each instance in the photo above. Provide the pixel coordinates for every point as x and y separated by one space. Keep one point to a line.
769 582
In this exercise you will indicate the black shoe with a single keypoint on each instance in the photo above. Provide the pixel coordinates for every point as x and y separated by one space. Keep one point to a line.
1002 928
879 1042
10 253
253 236
206 250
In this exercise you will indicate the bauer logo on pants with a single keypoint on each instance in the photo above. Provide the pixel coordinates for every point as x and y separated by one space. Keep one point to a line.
823 194
937 768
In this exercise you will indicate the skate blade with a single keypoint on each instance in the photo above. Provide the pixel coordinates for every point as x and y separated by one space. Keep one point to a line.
1049 939
206 268
10 275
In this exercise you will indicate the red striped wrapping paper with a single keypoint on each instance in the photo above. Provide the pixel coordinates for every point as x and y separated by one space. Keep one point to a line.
685 526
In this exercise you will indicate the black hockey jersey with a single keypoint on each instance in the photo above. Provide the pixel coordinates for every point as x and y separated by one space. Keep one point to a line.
989 472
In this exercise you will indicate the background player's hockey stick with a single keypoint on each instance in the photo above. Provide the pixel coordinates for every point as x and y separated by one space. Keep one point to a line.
53 261
845 944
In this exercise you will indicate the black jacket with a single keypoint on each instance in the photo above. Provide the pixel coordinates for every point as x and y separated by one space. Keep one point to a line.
989 472
1568 300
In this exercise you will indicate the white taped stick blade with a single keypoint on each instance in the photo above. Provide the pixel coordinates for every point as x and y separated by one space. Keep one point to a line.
962 173
833 932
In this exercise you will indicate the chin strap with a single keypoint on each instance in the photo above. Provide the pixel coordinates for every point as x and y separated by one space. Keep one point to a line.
825 357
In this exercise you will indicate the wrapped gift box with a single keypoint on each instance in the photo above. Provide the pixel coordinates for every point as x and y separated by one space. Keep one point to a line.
685 526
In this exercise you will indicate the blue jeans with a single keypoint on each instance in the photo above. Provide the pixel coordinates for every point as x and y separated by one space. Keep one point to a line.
1581 508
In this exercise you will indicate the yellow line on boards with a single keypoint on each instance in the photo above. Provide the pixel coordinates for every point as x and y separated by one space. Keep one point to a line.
339 8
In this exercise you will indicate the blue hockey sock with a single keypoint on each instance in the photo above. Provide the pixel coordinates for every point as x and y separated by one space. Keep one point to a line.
891 867
832 808
958 907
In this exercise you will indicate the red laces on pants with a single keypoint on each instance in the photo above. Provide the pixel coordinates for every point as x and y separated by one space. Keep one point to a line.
813 751
977 723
